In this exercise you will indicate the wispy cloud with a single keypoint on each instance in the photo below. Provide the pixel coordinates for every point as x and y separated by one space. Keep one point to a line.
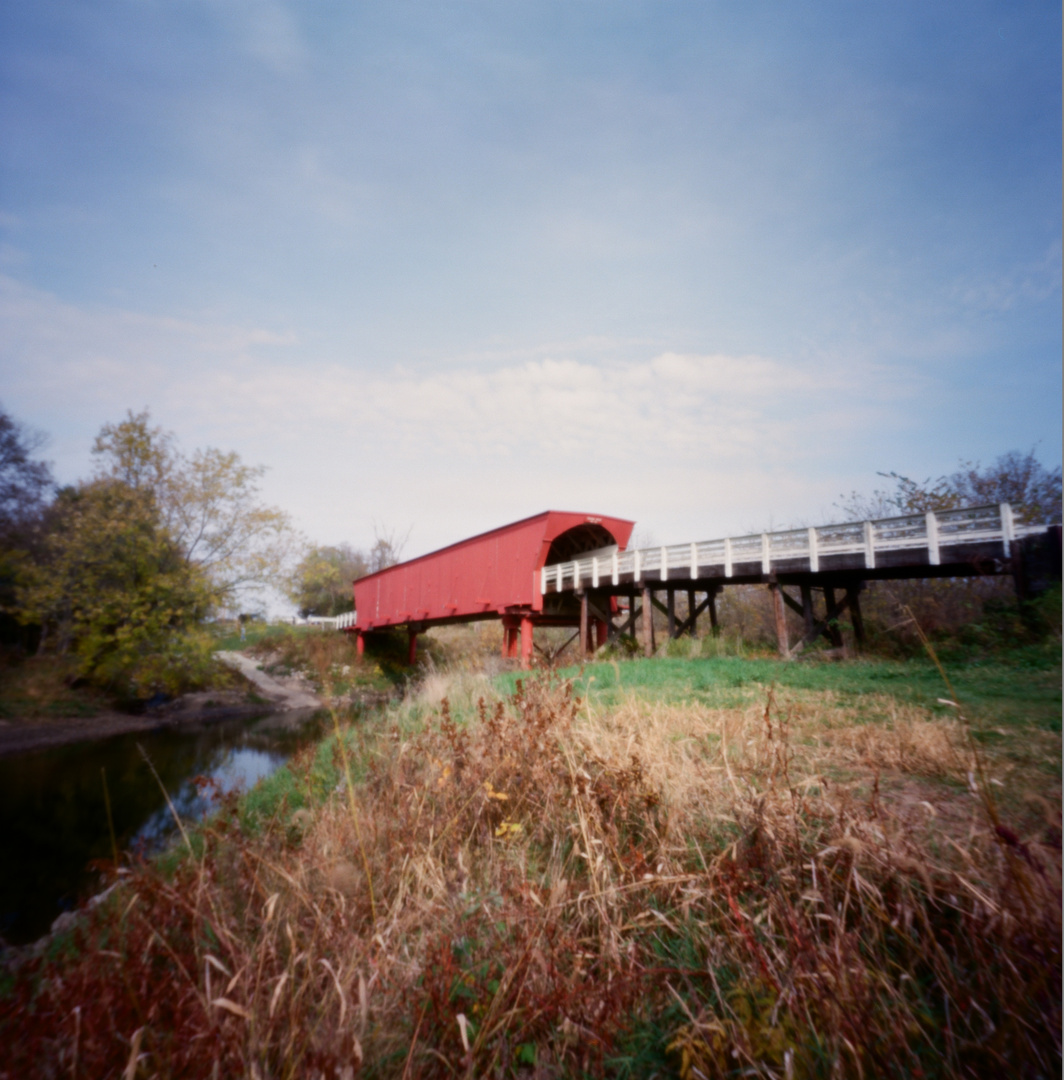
266 29
468 442
1029 283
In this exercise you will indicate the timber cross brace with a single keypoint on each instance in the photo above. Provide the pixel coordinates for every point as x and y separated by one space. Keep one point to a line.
814 627
603 621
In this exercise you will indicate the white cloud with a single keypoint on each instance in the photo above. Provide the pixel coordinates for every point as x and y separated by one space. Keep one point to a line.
686 443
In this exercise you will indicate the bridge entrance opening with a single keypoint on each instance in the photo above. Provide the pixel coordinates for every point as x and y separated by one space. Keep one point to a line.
570 609
576 541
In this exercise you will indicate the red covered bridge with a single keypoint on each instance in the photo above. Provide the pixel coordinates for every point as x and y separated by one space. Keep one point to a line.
491 576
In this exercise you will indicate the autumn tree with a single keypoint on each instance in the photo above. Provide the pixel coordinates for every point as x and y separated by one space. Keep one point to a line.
954 606
1020 479
387 550
321 581
112 589
25 482
208 504
131 562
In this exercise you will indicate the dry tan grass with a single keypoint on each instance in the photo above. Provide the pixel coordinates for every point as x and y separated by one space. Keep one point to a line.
684 744
554 889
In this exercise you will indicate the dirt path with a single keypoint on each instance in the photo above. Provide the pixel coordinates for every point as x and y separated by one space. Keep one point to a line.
284 696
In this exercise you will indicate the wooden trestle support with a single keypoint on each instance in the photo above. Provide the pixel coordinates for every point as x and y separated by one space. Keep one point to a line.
598 627
835 561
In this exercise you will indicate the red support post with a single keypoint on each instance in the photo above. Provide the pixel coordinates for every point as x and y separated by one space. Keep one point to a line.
526 643
411 657
601 633
509 637
360 644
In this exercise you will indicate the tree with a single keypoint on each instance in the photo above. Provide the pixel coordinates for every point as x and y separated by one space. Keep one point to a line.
387 548
25 485
1033 491
24 482
208 503
320 584
112 588
321 581
944 606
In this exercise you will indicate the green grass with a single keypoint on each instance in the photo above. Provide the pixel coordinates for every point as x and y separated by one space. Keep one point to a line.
306 781
1019 690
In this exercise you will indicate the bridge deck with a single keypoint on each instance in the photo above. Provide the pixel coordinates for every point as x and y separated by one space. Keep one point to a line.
917 545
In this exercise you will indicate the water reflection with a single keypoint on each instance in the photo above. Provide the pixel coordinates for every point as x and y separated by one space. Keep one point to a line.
53 819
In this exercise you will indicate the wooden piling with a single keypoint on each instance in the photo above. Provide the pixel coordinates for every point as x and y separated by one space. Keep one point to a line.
833 630
527 630
808 613
852 594
780 613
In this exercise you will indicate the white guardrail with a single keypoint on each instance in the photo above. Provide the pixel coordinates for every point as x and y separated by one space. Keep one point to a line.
332 622
930 531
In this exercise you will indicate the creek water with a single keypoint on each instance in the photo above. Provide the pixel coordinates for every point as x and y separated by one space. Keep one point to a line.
53 817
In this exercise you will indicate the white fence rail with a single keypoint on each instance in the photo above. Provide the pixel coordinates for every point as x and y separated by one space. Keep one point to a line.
331 622
931 532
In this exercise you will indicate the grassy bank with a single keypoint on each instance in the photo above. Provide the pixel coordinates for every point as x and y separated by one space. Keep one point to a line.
50 688
681 872
43 689
1018 689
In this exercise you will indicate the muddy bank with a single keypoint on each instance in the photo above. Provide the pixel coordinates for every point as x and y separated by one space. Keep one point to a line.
267 694
20 736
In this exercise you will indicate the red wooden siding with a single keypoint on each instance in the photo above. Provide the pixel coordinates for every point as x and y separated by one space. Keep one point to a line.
485 575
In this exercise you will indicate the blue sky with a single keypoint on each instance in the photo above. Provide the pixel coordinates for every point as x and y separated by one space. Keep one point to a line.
439 266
